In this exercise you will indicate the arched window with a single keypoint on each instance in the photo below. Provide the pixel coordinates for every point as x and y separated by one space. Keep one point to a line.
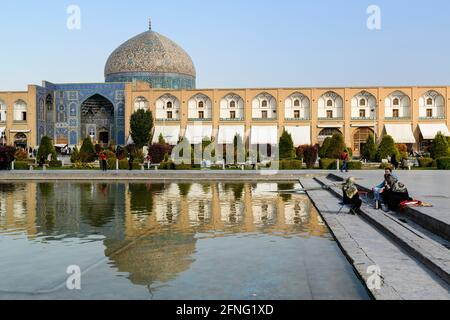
201 104
232 104
140 104
396 102
429 101
362 102
49 102
264 104
2 111
169 105
20 111
329 103
296 103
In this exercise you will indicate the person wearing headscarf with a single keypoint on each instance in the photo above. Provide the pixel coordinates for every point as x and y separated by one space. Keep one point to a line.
395 192
351 196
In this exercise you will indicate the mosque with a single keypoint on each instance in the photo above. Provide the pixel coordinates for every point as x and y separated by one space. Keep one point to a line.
150 71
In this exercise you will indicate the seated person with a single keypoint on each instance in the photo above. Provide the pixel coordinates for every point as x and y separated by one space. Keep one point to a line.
394 193
379 189
351 196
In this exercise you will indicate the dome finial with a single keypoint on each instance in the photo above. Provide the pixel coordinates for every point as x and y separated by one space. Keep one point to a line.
150 24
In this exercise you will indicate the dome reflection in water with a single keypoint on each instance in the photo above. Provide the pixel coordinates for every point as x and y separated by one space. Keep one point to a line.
168 241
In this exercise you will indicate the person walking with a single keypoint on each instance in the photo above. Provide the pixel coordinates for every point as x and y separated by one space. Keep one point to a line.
103 162
130 161
344 158
394 161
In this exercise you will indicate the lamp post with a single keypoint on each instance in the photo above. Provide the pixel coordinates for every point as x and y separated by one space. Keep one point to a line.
373 110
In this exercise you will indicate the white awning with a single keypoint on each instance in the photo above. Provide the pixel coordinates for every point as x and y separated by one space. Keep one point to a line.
300 135
171 134
228 133
401 133
333 126
264 135
20 131
196 134
430 130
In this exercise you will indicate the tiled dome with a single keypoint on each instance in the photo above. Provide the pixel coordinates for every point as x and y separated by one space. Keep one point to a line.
149 53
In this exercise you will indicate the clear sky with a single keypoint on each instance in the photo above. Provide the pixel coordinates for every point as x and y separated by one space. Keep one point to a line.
234 43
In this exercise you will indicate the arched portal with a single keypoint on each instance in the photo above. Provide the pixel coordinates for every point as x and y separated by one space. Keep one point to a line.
20 141
360 137
97 119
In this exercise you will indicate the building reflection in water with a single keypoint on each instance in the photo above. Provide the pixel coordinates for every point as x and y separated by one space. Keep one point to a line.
150 231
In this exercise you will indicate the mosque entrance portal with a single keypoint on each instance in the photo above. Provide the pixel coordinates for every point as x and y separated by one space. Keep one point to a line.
97 119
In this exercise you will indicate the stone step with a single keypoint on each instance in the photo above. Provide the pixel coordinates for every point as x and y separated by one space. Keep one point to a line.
402 276
418 243
427 221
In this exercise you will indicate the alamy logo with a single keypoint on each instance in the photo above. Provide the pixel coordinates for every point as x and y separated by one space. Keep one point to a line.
74 19
374 279
74 280
374 19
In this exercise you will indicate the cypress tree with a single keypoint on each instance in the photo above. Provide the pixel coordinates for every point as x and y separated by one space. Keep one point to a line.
286 146
439 148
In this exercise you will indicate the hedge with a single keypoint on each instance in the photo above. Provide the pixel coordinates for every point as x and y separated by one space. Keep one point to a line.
123 164
443 163
21 165
291 165
330 164
55 164
425 162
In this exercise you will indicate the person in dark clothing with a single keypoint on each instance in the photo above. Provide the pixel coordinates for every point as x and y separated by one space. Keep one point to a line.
41 161
394 193
103 162
351 196
394 161
130 162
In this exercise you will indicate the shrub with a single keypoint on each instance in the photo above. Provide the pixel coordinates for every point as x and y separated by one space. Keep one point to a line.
330 164
443 163
337 145
159 151
300 152
369 151
402 150
21 165
439 148
21 155
291 165
167 165
327 163
310 155
183 167
46 148
286 146
55 164
87 151
386 148
324 148
75 156
425 162
83 166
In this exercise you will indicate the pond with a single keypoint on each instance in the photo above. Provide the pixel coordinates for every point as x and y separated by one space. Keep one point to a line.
167 241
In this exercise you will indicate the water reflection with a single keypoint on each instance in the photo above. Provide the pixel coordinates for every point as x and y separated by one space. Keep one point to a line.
151 231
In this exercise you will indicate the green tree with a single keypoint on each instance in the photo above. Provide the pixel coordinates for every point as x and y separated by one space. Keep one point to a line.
87 151
75 156
386 148
337 146
46 148
141 125
369 151
324 148
286 146
439 148
161 139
